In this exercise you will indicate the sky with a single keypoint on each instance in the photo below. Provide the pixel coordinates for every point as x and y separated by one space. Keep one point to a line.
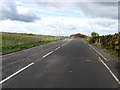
51 17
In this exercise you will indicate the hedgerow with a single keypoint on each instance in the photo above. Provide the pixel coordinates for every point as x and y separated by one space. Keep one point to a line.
108 41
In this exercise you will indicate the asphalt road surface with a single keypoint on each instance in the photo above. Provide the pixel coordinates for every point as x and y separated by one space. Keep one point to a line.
68 63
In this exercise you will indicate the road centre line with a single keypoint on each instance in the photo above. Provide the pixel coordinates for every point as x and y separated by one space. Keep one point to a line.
110 71
47 54
98 52
57 48
16 73
9 77
52 51
63 44
19 52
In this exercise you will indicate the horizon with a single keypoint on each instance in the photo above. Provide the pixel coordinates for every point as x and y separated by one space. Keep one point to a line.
56 36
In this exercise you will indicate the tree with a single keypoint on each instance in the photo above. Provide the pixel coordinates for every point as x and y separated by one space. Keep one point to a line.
94 34
78 35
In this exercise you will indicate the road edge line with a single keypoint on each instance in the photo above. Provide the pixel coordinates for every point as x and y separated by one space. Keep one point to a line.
98 53
110 71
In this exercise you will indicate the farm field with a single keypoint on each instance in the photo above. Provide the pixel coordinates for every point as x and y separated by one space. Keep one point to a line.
17 41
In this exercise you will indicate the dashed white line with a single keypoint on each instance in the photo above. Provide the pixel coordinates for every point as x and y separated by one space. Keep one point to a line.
53 50
63 44
47 54
4 80
25 67
19 52
110 71
16 73
58 48
98 52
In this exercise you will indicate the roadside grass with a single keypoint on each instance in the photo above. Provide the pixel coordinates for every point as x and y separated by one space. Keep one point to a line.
109 52
86 39
16 41
113 54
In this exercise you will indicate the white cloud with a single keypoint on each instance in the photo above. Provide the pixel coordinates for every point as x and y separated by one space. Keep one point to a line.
15 11
66 26
101 9
98 17
76 0
22 10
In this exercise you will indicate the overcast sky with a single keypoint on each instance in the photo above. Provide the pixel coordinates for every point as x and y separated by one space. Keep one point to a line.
52 18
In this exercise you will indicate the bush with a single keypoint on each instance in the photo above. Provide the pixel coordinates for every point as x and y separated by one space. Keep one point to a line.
108 41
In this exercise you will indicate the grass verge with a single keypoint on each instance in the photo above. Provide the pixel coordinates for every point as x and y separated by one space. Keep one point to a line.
12 42
112 53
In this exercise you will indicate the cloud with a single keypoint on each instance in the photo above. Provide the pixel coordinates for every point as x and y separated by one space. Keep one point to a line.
15 11
66 27
76 0
90 9
98 17
99 9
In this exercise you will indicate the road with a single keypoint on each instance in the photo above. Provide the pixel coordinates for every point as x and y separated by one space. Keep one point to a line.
68 63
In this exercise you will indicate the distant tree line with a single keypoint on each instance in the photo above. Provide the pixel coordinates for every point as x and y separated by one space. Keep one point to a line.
78 35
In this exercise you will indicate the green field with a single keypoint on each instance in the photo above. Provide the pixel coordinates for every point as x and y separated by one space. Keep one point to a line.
17 41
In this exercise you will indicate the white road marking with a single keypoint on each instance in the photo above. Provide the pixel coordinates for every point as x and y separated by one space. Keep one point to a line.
4 80
47 54
16 73
58 48
63 44
98 52
52 51
19 52
88 60
110 71
24 67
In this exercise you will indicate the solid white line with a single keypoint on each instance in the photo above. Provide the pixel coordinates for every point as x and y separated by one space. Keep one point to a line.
98 52
99 58
47 54
16 73
110 71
